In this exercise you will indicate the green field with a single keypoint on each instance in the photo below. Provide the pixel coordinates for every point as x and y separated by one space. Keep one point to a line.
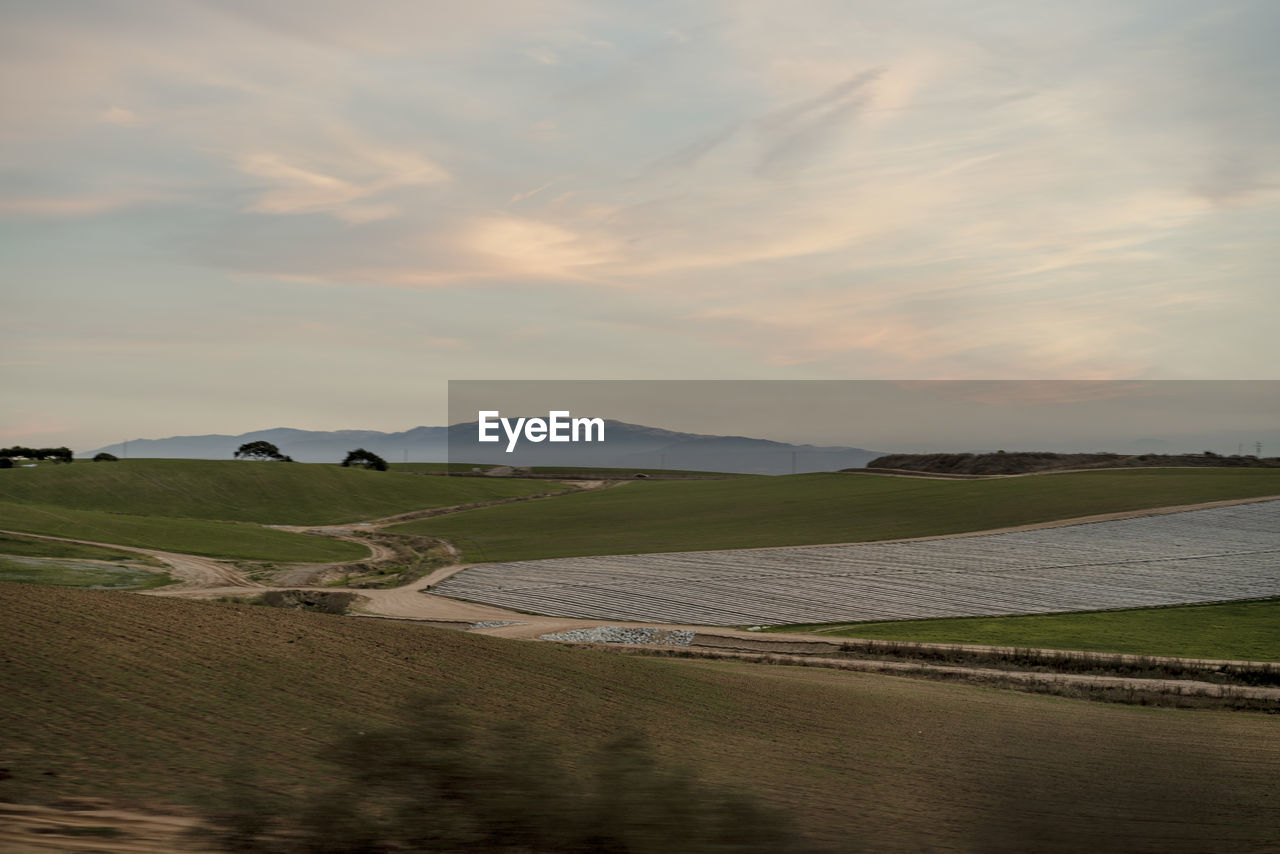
150 699
12 544
816 508
1237 630
269 493
71 573
568 471
189 536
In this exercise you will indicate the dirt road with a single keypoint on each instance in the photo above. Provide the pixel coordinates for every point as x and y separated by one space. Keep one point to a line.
193 572
92 827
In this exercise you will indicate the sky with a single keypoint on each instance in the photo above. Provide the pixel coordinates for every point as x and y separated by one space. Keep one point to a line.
228 215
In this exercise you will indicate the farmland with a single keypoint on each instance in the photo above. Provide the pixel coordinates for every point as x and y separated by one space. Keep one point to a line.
752 512
864 762
13 544
1195 556
268 493
64 572
190 536
568 472
1235 630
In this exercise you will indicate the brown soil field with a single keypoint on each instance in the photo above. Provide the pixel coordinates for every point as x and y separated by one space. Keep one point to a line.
147 700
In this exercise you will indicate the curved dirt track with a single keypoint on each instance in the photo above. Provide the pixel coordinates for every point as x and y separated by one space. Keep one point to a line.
193 572
78 828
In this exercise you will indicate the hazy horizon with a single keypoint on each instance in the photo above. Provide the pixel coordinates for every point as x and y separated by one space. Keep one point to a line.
1124 417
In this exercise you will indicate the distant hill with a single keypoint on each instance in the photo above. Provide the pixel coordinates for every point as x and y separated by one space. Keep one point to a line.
1022 462
625 446
421 444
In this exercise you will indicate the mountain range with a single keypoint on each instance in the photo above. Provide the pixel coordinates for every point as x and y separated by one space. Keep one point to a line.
625 446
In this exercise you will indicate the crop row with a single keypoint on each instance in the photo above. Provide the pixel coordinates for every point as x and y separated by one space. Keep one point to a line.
1196 556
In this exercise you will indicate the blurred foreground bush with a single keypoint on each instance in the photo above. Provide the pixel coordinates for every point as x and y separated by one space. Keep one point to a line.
441 782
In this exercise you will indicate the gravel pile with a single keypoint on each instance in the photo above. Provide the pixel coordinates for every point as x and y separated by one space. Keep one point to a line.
492 624
619 634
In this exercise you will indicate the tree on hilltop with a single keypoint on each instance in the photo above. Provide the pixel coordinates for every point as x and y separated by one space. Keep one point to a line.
261 450
365 459
62 455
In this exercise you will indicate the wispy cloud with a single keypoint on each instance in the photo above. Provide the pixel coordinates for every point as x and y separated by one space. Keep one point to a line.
311 184
821 189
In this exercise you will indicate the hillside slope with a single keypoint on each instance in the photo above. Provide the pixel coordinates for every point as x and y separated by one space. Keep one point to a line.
816 508
186 536
269 493
141 698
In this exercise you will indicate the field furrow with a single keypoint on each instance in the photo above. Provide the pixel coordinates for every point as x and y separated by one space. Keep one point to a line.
1214 554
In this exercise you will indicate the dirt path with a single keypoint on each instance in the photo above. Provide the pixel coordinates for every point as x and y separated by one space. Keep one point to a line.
192 571
90 827
1182 687
431 512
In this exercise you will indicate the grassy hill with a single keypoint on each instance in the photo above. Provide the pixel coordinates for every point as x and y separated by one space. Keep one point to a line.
244 491
11 544
135 697
568 472
816 508
189 536
64 572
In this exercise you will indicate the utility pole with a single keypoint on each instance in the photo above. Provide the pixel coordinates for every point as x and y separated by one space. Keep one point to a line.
1258 447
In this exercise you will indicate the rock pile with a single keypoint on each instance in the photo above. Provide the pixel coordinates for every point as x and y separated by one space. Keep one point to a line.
620 634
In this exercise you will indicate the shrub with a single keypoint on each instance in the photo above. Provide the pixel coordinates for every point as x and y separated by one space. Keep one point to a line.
365 459
440 781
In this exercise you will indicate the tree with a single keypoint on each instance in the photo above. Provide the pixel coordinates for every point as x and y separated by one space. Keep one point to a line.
261 450
365 459
6 463
19 452
104 457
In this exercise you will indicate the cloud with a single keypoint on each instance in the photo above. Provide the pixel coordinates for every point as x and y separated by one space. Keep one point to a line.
819 190
528 194
119 116
310 183
514 246
1063 392
836 97
861 332
688 156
